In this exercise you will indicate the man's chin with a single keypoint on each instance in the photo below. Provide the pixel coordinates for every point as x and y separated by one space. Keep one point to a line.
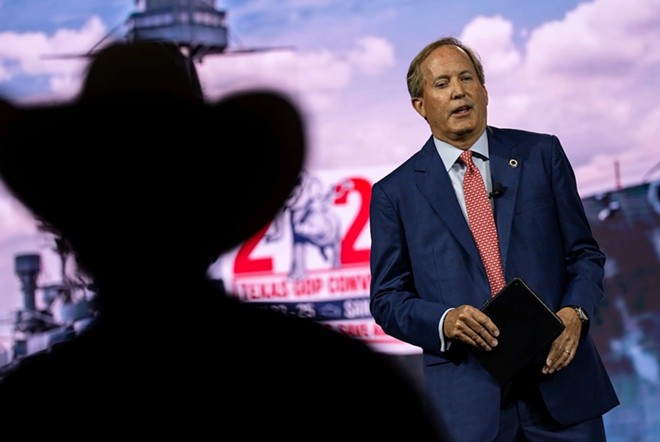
463 133
466 129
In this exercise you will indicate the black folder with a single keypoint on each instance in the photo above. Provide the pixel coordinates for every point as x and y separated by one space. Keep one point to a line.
527 328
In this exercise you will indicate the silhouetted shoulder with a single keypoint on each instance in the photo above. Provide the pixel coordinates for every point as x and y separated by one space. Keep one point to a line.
316 373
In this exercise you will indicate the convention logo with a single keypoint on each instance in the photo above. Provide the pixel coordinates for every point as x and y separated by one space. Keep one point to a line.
312 260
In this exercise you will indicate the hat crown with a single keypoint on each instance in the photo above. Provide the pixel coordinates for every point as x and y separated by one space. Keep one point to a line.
146 69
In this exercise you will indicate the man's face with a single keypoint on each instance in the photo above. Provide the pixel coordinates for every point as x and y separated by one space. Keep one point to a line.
454 101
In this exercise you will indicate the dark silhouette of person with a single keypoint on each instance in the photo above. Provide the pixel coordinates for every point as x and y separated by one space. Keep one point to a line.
149 183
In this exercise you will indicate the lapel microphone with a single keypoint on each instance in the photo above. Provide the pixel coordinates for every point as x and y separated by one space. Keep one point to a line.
498 190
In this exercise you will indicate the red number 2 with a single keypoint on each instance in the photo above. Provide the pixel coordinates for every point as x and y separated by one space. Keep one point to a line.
244 263
349 254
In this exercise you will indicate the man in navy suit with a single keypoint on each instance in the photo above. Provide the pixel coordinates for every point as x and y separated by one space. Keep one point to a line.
428 280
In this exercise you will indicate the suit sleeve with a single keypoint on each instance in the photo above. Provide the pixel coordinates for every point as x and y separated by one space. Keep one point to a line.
583 257
394 302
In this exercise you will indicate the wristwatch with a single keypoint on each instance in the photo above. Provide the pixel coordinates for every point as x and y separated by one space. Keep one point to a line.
582 316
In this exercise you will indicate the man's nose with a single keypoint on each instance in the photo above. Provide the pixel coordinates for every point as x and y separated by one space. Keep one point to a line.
457 89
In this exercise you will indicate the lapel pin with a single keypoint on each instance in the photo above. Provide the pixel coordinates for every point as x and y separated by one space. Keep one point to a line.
513 162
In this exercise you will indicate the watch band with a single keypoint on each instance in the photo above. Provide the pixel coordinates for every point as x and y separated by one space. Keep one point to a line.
582 316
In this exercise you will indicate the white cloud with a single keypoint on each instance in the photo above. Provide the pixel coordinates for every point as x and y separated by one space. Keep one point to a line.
372 55
493 38
36 53
316 78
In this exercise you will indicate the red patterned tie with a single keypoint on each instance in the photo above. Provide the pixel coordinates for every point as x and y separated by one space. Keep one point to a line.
482 223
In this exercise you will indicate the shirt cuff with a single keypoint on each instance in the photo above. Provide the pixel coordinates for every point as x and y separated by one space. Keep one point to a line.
444 342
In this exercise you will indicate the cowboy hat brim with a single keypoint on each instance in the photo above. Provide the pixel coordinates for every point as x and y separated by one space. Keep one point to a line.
140 162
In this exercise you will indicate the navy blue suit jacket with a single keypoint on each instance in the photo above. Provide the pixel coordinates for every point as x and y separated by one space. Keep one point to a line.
424 261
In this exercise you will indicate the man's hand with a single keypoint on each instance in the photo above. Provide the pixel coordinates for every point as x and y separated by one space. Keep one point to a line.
468 324
562 350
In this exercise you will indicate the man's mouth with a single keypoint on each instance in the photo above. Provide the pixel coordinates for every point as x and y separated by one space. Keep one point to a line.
461 110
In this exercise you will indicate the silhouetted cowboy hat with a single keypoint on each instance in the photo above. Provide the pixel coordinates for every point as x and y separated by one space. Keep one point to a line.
140 153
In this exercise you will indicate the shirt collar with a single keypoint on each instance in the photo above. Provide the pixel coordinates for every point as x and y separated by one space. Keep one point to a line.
449 154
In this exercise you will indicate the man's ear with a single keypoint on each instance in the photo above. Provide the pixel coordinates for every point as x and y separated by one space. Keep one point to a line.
418 105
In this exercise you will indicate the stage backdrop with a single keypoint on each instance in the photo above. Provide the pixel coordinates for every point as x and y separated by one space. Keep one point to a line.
585 70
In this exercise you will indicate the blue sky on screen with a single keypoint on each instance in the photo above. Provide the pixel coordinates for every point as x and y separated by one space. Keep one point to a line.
587 71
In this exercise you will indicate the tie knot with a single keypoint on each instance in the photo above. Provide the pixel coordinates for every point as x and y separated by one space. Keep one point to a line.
466 157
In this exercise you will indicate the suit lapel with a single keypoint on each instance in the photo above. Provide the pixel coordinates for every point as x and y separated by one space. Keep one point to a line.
505 168
433 183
